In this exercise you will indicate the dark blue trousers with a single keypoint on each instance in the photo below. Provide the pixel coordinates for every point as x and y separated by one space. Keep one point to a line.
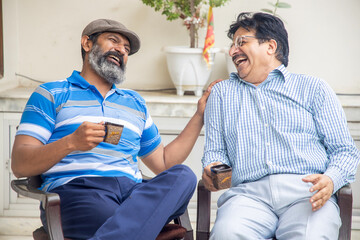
118 208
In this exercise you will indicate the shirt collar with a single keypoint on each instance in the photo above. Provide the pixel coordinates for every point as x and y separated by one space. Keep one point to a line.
279 70
117 90
283 70
78 80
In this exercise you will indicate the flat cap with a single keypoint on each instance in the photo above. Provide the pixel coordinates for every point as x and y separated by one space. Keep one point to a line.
108 25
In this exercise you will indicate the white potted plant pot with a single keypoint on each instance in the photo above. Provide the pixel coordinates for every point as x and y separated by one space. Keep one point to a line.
188 69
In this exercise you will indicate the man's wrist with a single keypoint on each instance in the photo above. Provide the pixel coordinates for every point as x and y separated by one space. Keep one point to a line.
336 178
69 143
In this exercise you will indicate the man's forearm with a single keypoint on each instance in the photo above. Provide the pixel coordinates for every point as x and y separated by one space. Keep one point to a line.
179 149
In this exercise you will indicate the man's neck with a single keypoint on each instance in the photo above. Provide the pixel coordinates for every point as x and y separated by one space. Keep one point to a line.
93 78
262 75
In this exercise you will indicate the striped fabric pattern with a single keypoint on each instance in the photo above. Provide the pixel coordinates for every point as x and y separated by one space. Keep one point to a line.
290 123
56 109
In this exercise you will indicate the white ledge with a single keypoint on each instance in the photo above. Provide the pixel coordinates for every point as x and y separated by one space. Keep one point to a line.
162 104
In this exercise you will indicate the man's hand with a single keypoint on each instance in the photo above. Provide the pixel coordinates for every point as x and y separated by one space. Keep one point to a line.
202 101
206 177
324 187
87 136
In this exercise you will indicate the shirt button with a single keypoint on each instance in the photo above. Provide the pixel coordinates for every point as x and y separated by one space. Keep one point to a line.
267 144
269 163
266 125
262 108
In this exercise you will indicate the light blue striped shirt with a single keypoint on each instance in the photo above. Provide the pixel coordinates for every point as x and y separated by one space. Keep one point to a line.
290 123
57 109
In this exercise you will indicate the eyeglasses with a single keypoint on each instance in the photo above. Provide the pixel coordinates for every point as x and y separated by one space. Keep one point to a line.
240 40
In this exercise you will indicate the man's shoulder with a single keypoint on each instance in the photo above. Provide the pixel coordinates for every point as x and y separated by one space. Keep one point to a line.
308 87
304 78
63 83
225 85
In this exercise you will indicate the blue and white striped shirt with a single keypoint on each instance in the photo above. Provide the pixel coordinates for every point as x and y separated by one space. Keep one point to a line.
290 123
56 109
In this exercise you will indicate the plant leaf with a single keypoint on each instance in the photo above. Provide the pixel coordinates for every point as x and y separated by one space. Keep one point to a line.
283 5
271 4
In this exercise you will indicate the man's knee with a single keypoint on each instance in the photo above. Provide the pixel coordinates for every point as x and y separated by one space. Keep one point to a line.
301 222
325 222
185 174
226 229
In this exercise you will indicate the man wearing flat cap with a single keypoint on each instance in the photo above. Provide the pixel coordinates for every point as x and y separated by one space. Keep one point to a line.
61 137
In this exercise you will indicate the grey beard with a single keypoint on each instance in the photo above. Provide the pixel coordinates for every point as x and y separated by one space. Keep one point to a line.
105 69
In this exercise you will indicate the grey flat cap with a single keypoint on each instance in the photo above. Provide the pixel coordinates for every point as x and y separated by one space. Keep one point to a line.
108 25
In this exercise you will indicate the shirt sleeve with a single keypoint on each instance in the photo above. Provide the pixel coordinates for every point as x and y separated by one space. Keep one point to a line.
332 129
150 138
215 149
38 118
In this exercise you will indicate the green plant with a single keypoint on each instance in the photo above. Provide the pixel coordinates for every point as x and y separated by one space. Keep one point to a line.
277 5
187 10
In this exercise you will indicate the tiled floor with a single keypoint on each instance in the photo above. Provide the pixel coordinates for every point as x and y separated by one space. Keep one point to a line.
355 235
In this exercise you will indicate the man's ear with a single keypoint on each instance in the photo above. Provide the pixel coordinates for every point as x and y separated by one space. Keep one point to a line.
272 47
86 44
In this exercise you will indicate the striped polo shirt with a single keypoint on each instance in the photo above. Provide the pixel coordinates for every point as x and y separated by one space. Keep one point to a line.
57 109
290 123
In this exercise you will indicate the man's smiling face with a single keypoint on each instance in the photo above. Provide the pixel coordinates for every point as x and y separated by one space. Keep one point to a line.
108 56
250 57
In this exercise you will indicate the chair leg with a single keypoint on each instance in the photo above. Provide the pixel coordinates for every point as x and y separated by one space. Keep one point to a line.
53 217
184 220
345 202
203 212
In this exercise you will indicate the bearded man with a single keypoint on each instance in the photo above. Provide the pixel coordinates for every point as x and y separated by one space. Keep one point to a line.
61 137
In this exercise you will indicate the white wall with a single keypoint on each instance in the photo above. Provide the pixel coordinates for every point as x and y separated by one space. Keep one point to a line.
11 42
42 38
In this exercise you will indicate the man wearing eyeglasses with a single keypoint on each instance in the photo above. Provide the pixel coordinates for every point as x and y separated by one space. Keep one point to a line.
285 136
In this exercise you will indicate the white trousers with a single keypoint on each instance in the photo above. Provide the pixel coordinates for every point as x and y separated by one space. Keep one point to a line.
274 206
